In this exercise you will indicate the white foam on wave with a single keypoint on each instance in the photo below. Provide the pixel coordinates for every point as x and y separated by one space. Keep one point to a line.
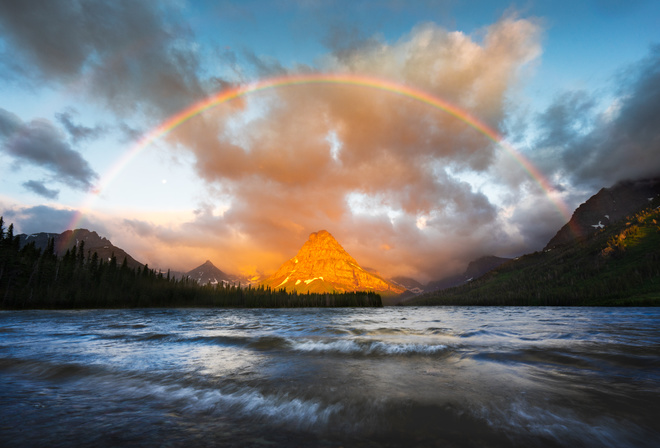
276 408
352 346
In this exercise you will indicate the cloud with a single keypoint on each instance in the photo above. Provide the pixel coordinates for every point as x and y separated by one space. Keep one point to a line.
40 189
79 132
41 144
385 188
128 133
9 123
130 56
565 119
43 218
263 66
601 147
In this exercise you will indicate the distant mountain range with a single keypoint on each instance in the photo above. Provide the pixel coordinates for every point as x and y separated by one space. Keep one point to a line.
475 269
322 265
320 257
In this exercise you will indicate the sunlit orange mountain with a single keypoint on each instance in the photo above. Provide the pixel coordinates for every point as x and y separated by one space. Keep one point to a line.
322 265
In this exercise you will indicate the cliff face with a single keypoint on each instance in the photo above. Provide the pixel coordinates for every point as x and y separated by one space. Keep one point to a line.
322 265
606 207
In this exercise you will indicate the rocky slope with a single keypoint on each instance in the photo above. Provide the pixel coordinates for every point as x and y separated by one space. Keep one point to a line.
606 207
322 265
208 273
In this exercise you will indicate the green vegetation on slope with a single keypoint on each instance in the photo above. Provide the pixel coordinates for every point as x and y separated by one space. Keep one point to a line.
616 266
30 278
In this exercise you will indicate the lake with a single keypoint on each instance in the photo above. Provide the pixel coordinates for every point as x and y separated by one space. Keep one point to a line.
388 377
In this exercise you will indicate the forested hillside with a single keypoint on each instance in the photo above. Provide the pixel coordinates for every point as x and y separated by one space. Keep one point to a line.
617 265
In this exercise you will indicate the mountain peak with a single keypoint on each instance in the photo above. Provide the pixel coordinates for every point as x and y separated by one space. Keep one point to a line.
208 273
322 237
322 265
71 239
321 234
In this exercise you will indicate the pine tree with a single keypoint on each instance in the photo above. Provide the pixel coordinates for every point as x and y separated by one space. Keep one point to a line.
81 254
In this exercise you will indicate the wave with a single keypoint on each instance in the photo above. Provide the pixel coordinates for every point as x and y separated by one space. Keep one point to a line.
275 408
365 347
138 337
180 395
48 370
482 418
346 346
593 360
134 326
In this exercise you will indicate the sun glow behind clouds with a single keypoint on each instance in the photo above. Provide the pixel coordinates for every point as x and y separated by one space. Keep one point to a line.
242 156
294 159
372 205
320 78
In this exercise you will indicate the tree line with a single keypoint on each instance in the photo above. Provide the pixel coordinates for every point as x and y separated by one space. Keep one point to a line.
31 278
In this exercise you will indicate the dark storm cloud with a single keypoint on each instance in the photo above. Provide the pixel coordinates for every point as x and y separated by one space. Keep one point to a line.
41 144
79 132
36 28
127 54
566 118
620 143
40 189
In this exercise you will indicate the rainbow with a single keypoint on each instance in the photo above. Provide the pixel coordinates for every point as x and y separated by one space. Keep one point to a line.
321 78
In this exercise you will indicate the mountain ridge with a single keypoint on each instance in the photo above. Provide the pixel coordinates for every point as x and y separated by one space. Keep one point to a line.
70 239
606 207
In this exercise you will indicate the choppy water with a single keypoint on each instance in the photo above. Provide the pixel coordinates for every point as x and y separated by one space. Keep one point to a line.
331 377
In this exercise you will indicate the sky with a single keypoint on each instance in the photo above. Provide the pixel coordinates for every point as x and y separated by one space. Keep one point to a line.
562 98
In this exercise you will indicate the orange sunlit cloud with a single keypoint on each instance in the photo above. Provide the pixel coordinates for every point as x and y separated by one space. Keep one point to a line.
285 179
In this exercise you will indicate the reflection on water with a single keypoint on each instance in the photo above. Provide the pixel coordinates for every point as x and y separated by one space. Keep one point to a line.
331 377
